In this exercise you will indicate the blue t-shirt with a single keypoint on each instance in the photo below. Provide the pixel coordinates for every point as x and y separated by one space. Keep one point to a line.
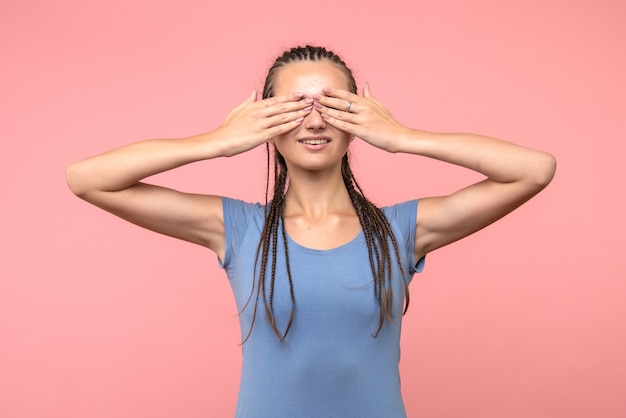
330 365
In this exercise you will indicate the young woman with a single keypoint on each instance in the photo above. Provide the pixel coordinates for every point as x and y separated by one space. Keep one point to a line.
320 275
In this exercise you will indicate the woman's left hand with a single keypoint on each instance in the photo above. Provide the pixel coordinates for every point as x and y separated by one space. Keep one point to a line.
362 116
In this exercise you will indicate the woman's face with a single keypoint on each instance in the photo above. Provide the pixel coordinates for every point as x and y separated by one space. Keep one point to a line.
314 144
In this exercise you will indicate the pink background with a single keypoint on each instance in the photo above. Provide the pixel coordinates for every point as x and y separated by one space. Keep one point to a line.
99 318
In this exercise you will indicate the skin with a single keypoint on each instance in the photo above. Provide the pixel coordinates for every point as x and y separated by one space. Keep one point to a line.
310 102
318 210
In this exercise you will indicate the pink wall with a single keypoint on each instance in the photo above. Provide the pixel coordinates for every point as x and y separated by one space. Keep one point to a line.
101 319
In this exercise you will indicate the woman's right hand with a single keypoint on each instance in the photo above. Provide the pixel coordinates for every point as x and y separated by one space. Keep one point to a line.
113 180
255 122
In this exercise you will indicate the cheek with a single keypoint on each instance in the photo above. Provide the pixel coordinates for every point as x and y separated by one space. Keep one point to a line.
281 137
278 141
345 137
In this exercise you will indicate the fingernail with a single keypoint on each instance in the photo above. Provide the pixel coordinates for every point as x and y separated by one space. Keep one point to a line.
309 101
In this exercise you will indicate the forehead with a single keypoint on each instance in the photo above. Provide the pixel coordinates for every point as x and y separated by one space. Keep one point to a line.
309 77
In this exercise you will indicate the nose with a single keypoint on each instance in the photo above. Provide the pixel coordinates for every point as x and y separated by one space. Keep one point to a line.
314 121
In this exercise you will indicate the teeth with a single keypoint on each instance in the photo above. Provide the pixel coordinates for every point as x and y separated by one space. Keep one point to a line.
315 141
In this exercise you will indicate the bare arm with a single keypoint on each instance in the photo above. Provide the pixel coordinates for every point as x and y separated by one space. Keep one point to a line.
113 180
513 173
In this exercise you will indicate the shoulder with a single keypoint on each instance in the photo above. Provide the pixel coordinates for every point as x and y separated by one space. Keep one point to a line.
240 215
243 223
401 212
402 218
236 208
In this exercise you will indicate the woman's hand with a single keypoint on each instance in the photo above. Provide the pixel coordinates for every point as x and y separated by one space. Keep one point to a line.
254 121
362 116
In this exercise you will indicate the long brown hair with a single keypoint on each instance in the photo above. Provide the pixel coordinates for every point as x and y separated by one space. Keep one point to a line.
377 231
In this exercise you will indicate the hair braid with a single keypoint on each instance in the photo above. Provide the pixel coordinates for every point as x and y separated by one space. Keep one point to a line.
269 239
376 228
378 234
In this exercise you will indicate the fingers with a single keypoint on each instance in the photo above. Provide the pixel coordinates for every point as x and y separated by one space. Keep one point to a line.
283 109
335 109
339 94
278 108
340 100
286 117
285 113
367 93
280 101
284 127
250 99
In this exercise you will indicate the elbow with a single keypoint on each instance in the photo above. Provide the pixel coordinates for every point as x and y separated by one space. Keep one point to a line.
549 168
543 170
72 179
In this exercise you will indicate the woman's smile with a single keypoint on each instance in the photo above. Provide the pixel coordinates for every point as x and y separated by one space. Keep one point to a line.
315 143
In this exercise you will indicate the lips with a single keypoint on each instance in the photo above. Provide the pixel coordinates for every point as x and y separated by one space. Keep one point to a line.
314 141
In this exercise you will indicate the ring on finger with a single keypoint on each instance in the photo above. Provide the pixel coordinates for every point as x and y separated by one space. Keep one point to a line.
348 106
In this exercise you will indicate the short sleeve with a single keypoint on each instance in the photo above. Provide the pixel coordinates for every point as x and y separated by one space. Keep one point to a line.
238 216
403 220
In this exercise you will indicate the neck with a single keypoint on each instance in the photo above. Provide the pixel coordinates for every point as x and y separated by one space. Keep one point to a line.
316 193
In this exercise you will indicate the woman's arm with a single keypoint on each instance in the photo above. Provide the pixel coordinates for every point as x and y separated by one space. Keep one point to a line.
112 180
513 173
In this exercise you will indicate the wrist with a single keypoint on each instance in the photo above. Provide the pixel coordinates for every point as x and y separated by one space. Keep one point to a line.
208 145
412 141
